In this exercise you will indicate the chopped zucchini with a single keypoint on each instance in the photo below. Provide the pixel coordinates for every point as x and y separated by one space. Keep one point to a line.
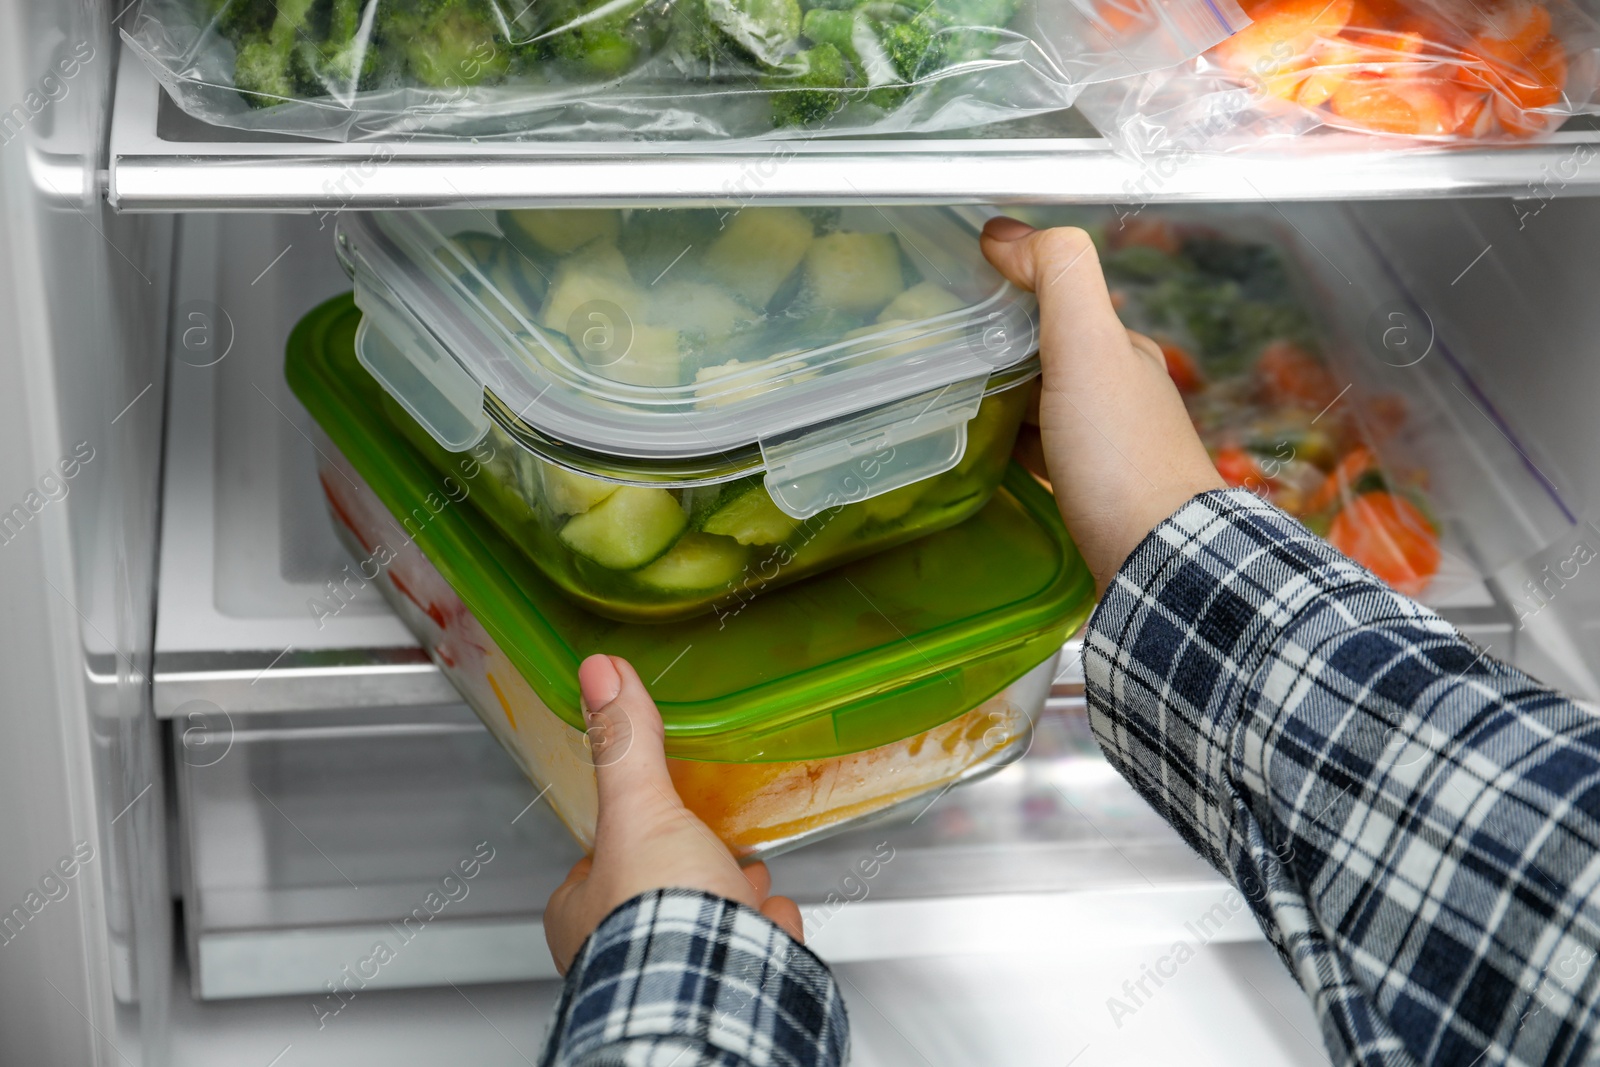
853 271
628 529
997 416
568 492
951 489
667 242
747 514
697 562
563 230
758 251
893 505
481 248
924 300
514 288
826 535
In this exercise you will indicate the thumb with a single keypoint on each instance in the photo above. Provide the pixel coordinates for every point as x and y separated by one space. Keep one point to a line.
1063 268
625 736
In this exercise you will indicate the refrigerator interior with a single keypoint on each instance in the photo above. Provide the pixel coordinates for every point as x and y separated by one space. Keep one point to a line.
324 778
264 796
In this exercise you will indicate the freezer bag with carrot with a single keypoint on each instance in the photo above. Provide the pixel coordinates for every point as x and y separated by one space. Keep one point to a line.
1439 71
1249 359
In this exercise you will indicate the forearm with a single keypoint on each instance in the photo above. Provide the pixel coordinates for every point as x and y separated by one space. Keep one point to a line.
1409 819
697 980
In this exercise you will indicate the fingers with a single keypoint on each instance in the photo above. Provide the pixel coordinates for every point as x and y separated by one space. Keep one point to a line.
786 913
579 872
626 736
559 918
760 879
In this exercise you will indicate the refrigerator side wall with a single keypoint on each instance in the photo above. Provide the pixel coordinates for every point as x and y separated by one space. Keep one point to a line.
84 908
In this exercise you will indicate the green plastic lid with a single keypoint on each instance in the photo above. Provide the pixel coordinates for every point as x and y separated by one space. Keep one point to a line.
864 655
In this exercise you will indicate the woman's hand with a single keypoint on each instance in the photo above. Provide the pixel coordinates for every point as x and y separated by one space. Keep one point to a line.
645 838
1120 449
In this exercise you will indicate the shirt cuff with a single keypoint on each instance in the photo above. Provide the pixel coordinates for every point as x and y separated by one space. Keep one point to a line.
684 970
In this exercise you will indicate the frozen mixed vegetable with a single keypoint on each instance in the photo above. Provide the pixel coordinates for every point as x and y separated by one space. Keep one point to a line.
1247 357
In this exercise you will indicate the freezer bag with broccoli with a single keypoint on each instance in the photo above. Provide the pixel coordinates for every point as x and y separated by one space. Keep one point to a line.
657 69
686 408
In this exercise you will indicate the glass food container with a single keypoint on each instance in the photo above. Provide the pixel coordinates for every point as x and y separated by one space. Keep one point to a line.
689 407
870 686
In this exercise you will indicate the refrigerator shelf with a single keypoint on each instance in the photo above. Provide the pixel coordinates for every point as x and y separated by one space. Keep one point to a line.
161 160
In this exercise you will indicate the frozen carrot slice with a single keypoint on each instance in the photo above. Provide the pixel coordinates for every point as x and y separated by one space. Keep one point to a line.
1334 61
1410 107
1182 367
1386 534
1520 122
1342 479
1122 16
1239 469
1147 232
1519 25
1283 31
1292 377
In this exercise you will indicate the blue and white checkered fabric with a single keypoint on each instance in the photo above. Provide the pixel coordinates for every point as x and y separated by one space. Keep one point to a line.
1414 824
677 978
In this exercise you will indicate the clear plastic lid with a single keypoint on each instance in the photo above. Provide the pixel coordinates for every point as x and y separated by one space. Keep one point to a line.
691 346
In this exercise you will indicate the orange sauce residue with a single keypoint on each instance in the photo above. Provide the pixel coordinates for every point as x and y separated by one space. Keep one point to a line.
749 804
505 704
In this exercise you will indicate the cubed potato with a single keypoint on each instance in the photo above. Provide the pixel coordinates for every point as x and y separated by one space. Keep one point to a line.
758 251
654 357
563 230
924 300
857 272
598 277
699 310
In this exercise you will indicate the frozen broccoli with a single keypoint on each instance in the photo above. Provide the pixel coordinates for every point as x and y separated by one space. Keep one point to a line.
348 57
765 31
813 86
238 19
447 43
823 25
599 37
269 64
915 46
977 13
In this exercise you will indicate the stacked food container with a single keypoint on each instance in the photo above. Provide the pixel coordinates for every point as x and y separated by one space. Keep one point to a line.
763 454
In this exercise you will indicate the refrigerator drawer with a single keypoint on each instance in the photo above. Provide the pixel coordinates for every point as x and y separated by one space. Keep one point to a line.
327 852
308 841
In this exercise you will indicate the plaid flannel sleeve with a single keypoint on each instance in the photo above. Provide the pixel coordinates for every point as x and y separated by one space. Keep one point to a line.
683 978
1413 823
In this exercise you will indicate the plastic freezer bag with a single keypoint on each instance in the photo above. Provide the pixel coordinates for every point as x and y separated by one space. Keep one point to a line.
1271 390
660 69
1436 71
